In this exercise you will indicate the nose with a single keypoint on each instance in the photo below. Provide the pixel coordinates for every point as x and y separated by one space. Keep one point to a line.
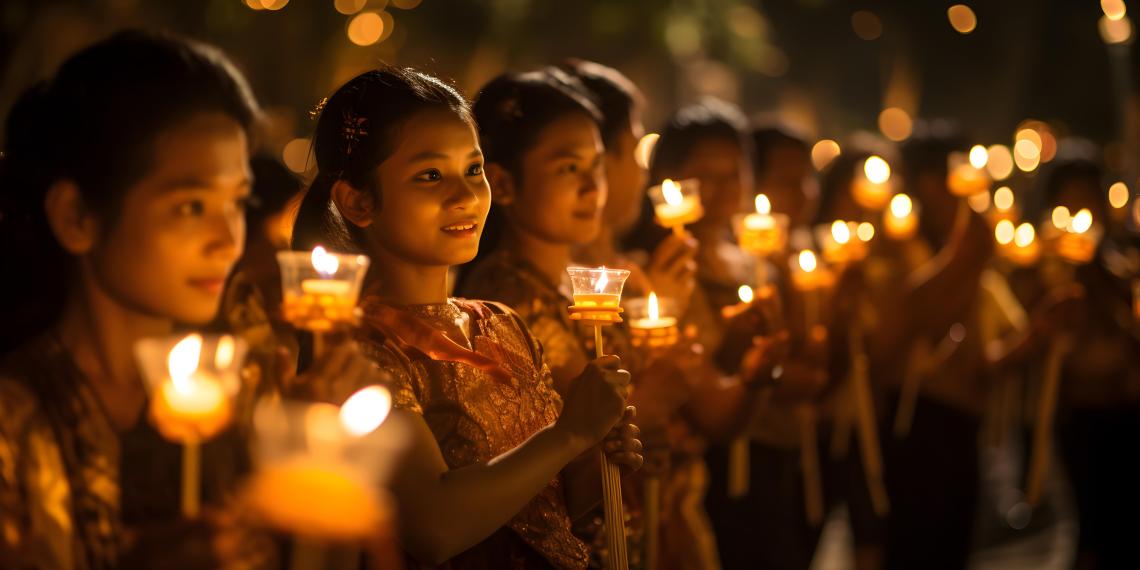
227 238
464 197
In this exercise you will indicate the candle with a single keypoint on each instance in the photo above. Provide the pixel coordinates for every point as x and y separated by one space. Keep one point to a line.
676 204
190 404
1025 249
1077 244
808 279
841 243
320 288
872 187
762 233
967 177
307 498
900 221
653 330
1003 205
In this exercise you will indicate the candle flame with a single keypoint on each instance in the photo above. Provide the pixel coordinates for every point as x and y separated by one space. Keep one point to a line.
224 356
807 261
365 410
1061 217
1118 195
877 170
1003 232
763 205
1081 222
865 231
840 232
325 263
1024 235
653 310
745 294
671 192
979 157
901 206
1003 198
183 361
603 281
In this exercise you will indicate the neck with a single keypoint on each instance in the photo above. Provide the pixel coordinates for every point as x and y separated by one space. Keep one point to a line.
548 257
398 282
100 334
600 251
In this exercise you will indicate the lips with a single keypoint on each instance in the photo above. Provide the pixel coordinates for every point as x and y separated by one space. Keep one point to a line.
461 229
210 285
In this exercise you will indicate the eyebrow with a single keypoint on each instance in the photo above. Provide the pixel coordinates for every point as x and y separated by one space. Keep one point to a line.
194 183
436 155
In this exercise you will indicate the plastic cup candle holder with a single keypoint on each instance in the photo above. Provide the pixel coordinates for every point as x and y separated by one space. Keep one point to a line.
320 289
761 233
900 220
193 381
677 203
320 468
649 326
597 294
840 241
967 175
873 187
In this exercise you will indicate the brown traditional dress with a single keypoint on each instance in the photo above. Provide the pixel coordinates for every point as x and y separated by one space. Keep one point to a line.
479 402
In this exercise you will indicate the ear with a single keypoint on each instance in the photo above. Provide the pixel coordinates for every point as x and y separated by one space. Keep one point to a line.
75 228
357 206
502 184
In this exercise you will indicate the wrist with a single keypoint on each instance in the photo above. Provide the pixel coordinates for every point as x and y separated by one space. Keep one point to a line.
569 440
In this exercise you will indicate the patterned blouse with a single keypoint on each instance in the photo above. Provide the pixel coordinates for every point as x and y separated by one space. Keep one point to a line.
477 415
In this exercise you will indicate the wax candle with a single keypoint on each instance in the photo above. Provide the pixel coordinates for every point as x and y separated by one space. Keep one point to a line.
597 294
1003 209
1024 250
967 176
872 188
653 330
676 204
900 221
841 243
762 233
808 279
190 404
320 288
1077 244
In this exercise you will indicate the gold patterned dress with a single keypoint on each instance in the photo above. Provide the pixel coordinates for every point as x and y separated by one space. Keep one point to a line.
480 402
70 483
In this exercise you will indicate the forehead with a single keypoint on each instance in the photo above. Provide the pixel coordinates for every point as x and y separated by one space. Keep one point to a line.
714 153
572 132
207 147
437 131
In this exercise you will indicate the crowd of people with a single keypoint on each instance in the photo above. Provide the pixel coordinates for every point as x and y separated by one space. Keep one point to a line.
847 344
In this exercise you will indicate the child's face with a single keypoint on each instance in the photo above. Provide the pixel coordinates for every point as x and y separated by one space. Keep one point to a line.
179 229
433 195
561 191
624 177
724 173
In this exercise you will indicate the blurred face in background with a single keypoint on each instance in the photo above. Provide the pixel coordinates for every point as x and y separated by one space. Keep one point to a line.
724 172
788 179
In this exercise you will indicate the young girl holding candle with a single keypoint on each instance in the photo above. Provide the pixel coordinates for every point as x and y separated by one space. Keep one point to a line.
124 186
401 180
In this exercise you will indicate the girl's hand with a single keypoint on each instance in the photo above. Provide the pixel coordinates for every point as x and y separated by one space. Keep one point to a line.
622 446
673 269
336 374
595 401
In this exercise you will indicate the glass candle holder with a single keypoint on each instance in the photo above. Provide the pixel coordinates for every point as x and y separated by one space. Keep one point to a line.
964 178
650 323
873 187
677 203
761 233
597 294
841 243
320 289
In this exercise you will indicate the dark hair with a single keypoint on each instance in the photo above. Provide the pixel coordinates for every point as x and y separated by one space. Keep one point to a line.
274 186
511 111
1077 160
356 132
767 138
709 119
835 183
929 147
94 122
615 96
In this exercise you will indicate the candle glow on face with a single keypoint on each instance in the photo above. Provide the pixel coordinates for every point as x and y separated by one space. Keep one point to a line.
745 294
877 170
365 410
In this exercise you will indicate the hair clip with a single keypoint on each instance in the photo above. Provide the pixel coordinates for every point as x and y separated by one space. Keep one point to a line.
316 112
354 130
511 109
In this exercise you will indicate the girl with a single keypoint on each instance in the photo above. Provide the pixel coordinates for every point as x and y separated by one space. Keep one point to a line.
401 180
124 184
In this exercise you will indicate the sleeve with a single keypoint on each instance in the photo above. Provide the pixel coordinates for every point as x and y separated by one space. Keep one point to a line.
405 383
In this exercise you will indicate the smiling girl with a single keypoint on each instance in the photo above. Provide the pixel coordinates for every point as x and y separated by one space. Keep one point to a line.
401 180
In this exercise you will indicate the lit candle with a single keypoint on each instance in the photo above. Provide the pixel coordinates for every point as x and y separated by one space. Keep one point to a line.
1003 205
191 404
872 187
809 279
1118 195
653 330
841 243
762 233
900 221
1025 249
967 176
1077 244
320 289
677 204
